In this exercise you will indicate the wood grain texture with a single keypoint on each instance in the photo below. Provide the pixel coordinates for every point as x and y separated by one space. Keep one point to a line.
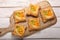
52 2
47 33
4 22
22 3
57 12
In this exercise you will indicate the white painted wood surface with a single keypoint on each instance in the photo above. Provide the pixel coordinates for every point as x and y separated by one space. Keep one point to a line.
47 33
23 3
5 13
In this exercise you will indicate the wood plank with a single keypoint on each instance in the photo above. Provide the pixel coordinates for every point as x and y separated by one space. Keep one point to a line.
30 39
24 3
57 12
47 33
52 2
4 22
9 3
7 12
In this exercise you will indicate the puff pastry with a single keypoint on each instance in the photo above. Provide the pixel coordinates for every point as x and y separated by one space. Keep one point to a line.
46 14
33 10
19 16
34 24
19 30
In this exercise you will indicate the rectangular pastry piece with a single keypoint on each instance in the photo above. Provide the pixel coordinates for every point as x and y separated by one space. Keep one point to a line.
19 30
46 12
33 10
33 24
19 16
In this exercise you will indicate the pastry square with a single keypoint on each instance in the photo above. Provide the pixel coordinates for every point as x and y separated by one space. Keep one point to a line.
47 14
19 30
33 24
19 16
33 10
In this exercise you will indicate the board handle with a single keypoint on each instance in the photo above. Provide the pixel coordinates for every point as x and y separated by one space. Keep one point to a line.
3 31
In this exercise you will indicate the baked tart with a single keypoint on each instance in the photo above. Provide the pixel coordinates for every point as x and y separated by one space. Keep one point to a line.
34 24
33 10
19 16
46 14
19 30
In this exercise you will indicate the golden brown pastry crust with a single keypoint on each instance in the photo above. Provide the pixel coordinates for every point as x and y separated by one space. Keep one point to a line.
33 24
33 10
19 16
19 30
47 14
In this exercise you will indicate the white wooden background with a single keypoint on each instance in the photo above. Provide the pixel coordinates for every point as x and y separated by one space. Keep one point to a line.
8 6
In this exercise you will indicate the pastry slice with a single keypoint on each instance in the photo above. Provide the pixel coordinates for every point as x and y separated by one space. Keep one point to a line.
34 24
46 14
19 16
19 30
33 10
